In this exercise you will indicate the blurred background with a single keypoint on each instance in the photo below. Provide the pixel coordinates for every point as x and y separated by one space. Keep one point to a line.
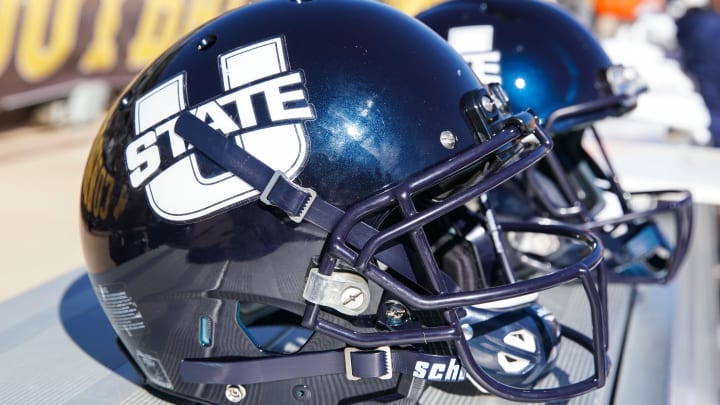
62 62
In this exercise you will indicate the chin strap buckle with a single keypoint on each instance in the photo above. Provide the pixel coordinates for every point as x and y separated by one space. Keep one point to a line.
375 363
290 197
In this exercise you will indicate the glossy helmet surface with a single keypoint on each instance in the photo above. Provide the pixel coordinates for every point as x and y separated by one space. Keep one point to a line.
274 211
547 60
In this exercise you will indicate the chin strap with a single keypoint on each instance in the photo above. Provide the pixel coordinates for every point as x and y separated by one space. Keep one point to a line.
356 364
299 203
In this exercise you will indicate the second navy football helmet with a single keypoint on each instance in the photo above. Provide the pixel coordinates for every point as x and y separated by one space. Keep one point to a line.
547 60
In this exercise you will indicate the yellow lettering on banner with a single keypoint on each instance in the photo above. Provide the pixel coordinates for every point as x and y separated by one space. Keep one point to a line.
102 52
157 29
9 10
412 7
37 60
201 11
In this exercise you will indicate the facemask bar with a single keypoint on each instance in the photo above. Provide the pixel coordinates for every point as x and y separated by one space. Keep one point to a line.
575 211
443 294
595 286
623 84
678 203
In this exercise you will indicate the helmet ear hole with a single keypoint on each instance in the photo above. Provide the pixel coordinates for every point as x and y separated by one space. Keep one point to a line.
272 329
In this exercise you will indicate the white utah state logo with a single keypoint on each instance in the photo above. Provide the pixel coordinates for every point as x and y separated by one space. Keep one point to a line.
189 187
475 44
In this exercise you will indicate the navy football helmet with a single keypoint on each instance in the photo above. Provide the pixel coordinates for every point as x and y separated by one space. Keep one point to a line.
275 211
547 60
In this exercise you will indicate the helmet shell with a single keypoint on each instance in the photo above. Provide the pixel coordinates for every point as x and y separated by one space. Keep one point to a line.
180 252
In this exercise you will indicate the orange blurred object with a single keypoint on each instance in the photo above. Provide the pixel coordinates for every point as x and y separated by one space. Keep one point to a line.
626 10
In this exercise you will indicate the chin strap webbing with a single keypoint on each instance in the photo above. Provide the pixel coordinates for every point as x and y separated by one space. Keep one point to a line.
355 364
299 203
